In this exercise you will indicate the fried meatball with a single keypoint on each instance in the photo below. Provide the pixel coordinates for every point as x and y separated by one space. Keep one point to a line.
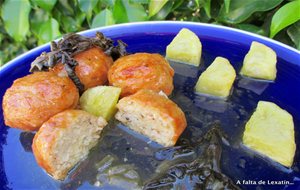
33 99
92 68
141 71
152 115
65 139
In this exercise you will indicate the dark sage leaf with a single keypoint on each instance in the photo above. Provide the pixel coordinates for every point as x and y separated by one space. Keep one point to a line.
70 45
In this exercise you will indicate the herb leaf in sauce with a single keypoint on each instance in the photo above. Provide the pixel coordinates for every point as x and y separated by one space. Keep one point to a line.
202 173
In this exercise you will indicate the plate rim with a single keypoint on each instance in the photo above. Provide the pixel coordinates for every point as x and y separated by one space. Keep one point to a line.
16 61
133 25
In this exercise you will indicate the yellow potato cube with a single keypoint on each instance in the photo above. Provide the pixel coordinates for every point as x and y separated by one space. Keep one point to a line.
270 131
101 101
217 79
260 62
185 47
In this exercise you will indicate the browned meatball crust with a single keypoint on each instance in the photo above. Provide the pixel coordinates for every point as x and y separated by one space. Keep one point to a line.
141 71
92 68
33 99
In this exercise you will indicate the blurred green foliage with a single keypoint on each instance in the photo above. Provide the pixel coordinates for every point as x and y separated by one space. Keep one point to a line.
25 24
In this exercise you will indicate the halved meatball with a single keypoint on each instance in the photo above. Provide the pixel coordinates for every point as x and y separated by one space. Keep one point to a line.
65 139
141 71
33 99
92 68
152 115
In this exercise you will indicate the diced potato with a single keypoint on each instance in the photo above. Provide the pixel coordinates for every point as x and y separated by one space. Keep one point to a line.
270 131
101 101
260 62
217 79
185 47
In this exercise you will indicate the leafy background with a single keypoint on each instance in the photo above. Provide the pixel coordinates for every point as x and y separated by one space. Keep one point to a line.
25 24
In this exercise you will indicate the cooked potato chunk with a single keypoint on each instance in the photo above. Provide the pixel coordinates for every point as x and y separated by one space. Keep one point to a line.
101 101
185 47
217 79
270 131
260 62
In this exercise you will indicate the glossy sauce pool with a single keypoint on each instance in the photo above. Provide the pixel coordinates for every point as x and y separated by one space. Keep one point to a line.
202 112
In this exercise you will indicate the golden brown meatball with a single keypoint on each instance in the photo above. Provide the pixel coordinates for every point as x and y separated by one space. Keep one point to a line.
33 99
152 115
65 139
141 71
92 68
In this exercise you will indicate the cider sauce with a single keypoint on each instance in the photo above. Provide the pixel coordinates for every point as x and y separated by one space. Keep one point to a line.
129 160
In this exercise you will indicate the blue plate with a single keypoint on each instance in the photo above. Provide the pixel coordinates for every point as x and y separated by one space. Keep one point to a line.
19 170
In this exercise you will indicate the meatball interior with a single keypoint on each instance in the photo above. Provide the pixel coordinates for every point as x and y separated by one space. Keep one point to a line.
65 139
